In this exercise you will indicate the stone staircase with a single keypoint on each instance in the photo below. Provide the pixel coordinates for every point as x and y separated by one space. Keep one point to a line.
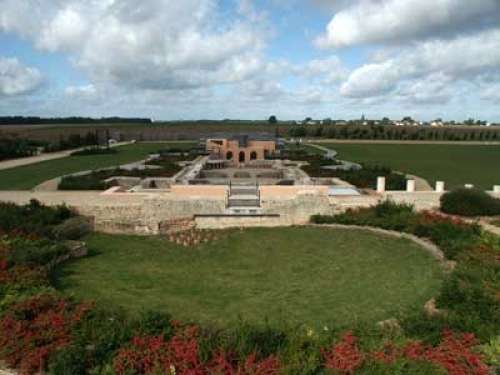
243 198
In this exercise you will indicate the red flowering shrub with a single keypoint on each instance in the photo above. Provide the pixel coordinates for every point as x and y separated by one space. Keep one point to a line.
345 357
454 354
224 364
149 355
34 329
389 354
24 276
181 355
433 217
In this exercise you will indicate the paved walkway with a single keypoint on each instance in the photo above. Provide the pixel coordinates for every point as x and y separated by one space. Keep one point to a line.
13 163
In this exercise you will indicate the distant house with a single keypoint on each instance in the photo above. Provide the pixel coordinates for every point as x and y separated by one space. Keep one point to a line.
437 124
311 122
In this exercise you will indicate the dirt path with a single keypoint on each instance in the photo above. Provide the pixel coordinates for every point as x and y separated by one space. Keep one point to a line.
13 163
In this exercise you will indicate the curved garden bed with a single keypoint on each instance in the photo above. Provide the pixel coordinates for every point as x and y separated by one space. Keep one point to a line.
41 329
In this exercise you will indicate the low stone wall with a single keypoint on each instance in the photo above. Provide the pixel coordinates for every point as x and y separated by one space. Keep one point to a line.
150 213
275 191
422 200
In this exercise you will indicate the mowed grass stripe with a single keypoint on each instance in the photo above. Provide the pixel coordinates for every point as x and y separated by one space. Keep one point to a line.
457 165
315 276
29 176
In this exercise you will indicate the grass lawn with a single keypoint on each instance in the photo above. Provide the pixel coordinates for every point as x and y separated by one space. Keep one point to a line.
29 176
306 275
455 164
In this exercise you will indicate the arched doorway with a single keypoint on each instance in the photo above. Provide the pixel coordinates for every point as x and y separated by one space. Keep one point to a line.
229 155
253 155
242 157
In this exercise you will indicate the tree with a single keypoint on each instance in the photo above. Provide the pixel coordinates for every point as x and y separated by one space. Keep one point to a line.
273 120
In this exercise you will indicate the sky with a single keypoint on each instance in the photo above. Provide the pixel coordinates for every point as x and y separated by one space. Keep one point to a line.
249 59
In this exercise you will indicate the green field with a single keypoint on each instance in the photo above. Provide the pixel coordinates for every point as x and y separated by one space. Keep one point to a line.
316 276
27 177
455 164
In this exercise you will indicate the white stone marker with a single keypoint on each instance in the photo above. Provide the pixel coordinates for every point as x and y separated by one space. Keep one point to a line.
440 186
381 185
496 189
410 186
469 186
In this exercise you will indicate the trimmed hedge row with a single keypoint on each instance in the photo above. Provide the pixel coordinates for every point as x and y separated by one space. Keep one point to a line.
470 202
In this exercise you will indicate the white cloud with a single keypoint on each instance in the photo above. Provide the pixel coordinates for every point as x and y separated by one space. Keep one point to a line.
434 89
491 93
329 70
16 78
375 21
150 44
462 58
372 80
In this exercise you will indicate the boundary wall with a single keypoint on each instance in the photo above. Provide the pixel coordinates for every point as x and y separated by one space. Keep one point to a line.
150 213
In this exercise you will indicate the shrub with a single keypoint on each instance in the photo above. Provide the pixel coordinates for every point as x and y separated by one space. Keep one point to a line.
153 323
72 229
92 181
492 351
471 306
470 202
100 334
387 215
181 355
344 357
69 360
451 235
367 177
35 329
32 252
33 218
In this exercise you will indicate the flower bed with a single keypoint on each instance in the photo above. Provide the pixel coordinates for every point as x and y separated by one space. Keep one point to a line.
41 330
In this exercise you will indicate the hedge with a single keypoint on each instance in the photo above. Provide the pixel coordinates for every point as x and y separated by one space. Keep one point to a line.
470 202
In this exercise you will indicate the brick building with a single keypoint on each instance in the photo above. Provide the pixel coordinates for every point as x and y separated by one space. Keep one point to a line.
240 149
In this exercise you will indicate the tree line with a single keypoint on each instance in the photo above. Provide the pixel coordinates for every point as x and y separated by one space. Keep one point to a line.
13 148
21 120
403 133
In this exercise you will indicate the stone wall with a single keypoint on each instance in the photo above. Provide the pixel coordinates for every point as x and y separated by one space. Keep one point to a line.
422 200
151 213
